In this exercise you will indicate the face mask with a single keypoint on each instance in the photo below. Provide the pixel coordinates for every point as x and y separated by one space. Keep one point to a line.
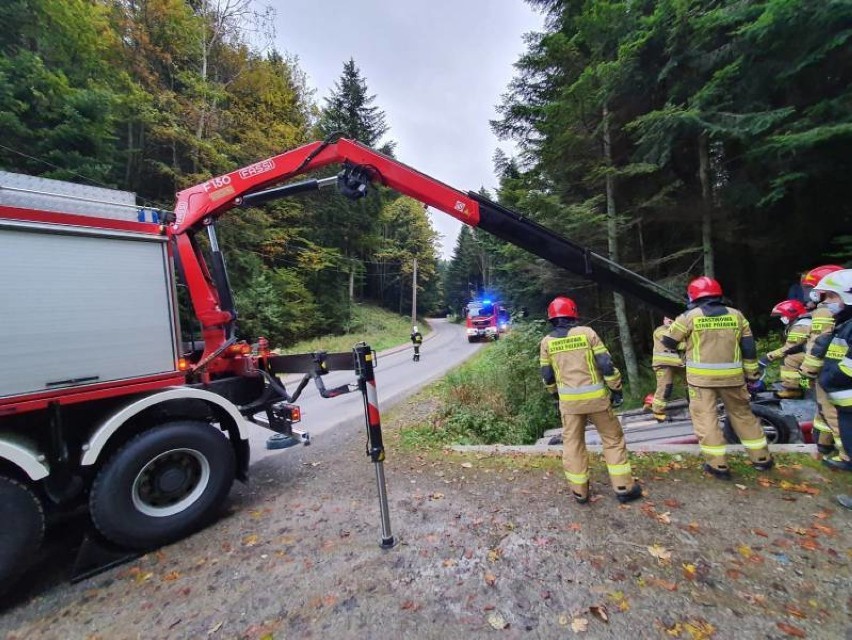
815 296
785 320
834 307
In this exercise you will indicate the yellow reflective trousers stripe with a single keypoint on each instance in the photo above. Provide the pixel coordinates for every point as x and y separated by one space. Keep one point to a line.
759 443
714 450
577 478
619 469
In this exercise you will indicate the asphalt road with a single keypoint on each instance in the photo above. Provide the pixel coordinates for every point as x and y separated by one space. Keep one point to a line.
397 377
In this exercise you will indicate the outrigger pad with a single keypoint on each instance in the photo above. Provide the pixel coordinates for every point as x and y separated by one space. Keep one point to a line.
97 555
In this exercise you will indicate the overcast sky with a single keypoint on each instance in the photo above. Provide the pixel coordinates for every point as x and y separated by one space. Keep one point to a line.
437 68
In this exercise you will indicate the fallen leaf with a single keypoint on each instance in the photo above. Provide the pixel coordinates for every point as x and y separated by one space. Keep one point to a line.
171 576
797 530
579 625
493 555
410 605
694 527
497 621
829 531
490 579
760 532
660 553
672 503
741 487
764 482
562 620
733 574
689 571
214 628
250 541
466 465
794 611
574 526
663 584
810 544
699 629
790 630
745 551
436 496
450 562
600 611
665 517
822 515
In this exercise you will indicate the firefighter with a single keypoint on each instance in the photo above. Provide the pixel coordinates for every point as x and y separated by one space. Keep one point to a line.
822 322
720 357
797 327
830 358
416 340
578 371
665 362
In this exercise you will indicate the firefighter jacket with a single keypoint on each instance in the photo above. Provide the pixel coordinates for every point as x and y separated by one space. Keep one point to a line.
822 322
720 349
831 356
416 338
576 365
797 335
663 356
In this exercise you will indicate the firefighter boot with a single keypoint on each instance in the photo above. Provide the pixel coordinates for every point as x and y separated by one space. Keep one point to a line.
837 462
764 464
660 416
825 440
722 472
634 493
581 495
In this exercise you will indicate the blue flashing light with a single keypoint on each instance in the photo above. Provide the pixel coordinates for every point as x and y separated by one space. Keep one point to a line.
486 302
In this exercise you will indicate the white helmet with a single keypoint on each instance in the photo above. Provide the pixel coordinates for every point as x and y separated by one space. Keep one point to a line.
839 282
414 329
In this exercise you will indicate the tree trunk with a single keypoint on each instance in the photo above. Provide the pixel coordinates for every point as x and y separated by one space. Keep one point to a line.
352 283
612 242
707 206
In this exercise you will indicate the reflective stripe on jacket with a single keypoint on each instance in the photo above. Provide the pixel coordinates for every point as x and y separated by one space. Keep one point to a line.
797 335
835 378
663 356
720 348
576 365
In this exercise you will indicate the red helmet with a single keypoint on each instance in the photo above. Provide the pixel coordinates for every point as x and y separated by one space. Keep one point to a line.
703 287
790 309
561 307
816 274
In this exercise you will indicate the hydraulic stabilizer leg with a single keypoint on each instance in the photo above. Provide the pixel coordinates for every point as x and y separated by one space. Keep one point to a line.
375 447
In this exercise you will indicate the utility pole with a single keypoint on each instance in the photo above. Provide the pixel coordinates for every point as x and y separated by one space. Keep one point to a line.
414 294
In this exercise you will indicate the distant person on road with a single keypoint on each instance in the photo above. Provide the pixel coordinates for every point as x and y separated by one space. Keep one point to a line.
666 363
577 369
720 356
416 340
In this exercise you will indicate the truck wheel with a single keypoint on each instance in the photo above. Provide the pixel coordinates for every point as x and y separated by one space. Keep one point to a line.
163 485
773 423
22 531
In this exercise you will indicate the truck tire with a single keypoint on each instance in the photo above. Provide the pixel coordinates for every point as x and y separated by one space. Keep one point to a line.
21 535
163 485
774 424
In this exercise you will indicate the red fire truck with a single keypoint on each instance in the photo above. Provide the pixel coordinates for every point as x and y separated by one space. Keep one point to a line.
486 319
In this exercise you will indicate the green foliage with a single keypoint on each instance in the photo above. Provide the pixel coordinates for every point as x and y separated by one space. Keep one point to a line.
377 327
497 397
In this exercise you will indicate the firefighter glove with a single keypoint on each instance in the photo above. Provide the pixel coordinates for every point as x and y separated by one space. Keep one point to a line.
617 398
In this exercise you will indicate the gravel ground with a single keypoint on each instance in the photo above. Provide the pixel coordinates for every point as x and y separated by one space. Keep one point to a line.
488 546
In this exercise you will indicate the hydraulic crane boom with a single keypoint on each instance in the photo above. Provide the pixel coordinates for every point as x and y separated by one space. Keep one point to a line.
201 205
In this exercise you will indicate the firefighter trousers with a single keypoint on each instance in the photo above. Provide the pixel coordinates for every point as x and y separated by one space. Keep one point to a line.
665 383
705 421
575 458
827 423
